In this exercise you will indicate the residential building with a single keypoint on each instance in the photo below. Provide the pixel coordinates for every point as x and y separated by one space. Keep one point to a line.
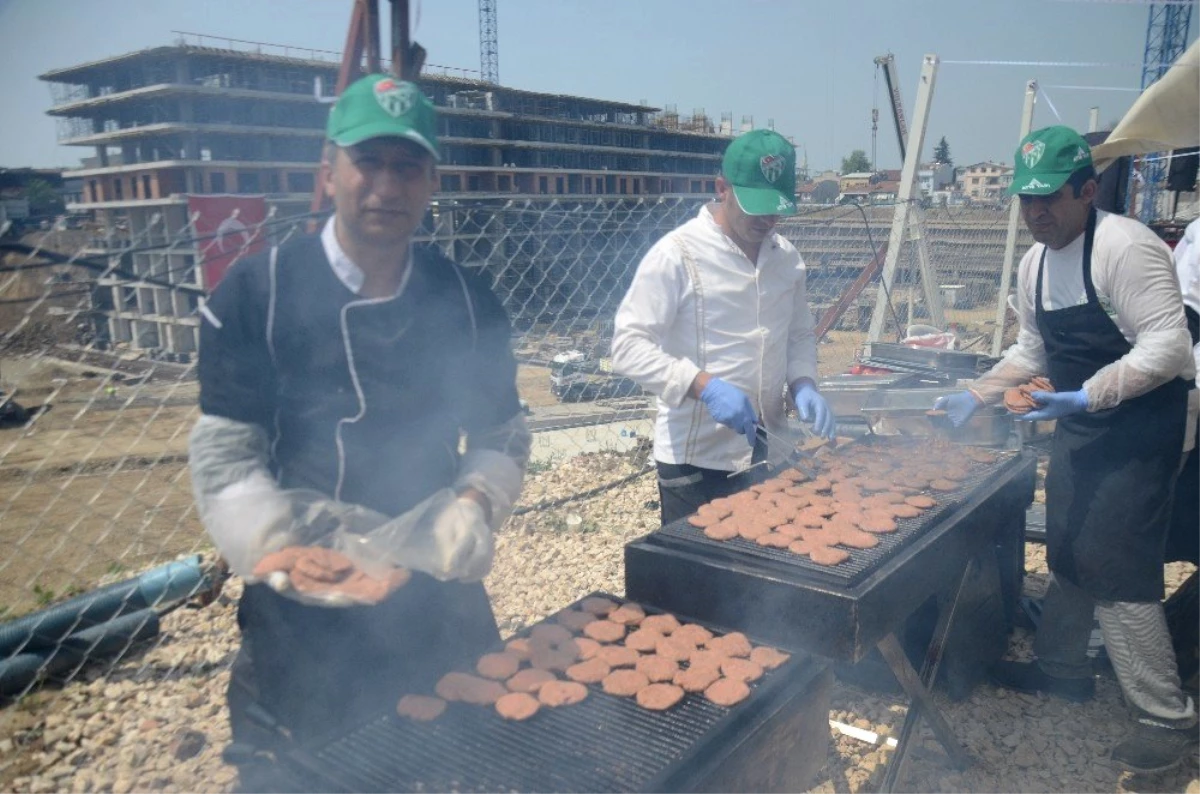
984 182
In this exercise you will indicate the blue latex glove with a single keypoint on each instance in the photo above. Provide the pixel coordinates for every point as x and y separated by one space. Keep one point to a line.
959 407
812 408
730 406
1056 405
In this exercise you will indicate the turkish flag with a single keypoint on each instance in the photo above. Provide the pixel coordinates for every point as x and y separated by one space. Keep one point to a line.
227 228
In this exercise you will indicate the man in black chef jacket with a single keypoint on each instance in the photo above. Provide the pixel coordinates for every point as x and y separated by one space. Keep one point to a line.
368 371
1101 316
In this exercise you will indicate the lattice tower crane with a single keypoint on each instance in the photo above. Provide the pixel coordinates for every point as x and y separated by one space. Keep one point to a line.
489 42
1166 39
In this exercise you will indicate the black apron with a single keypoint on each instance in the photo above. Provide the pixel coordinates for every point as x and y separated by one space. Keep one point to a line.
1111 474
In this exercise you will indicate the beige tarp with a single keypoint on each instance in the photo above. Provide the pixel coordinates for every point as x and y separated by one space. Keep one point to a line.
1166 116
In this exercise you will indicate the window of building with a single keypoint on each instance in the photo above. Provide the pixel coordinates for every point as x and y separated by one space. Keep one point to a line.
504 183
118 190
695 186
451 183
473 183
133 187
272 181
543 184
559 185
146 191
93 193
710 186
300 182
216 183
247 182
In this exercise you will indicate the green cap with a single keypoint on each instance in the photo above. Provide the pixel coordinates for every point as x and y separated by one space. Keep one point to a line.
378 106
761 166
1046 159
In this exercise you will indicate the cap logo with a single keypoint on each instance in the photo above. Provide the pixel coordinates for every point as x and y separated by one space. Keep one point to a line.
1034 184
1080 154
1032 153
784 204
394 97
771 166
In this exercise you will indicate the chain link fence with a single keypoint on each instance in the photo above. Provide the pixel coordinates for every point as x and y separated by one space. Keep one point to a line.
98 331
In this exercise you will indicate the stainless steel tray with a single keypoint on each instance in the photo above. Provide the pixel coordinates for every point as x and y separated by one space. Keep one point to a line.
845 394
905 412
930 358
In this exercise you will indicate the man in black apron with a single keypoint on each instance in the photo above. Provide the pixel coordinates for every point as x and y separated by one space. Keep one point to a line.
1100 316
345 367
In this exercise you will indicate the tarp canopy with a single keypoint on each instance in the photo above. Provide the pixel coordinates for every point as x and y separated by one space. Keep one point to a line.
1166 116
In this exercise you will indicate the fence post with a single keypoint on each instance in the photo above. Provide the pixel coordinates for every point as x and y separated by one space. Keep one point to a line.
908 176
1014 217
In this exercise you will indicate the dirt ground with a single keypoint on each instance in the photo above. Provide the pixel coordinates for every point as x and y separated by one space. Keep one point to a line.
96 486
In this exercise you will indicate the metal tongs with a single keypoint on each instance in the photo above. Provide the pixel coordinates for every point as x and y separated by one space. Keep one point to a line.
802 456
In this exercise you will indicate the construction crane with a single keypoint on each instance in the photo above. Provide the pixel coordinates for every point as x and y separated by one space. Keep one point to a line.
1166 39
489 43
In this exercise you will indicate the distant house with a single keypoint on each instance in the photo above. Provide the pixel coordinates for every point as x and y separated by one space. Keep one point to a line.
885 192
822 192
984 182
934 177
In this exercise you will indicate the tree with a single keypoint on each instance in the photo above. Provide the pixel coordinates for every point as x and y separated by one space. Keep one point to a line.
941 152
856 163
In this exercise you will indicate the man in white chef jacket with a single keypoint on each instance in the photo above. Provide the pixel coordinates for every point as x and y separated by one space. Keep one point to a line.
716 324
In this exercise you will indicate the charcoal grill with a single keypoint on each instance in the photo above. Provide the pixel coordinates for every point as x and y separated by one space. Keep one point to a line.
845 611
605 743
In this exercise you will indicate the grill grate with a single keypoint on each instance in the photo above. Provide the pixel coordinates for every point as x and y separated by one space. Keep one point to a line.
605 743
862 562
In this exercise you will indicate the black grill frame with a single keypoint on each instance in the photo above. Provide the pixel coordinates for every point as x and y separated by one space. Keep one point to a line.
605 743
787 603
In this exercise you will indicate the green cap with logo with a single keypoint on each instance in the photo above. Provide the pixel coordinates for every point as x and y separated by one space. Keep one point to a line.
1046 159
378 106
761 166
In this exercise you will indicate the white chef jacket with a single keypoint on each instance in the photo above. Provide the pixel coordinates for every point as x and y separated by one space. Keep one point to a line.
696 303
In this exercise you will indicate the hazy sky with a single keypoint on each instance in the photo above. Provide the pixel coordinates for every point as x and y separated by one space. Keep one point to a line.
807 64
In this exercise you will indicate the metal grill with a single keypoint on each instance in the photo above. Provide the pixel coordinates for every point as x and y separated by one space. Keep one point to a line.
605 743
862 561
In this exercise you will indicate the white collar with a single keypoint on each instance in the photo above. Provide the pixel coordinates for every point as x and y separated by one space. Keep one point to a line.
343 266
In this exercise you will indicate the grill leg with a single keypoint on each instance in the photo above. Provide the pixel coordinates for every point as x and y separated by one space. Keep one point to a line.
917 688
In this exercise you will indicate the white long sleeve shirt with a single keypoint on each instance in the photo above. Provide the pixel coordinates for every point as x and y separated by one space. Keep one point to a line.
697 303
1187 269
1135 282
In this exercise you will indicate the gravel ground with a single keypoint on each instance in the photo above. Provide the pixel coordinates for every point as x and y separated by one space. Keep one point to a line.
156 721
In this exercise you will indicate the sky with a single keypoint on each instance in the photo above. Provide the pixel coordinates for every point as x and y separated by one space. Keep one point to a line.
808 65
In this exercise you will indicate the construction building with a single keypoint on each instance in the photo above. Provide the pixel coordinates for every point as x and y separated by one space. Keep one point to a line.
246 118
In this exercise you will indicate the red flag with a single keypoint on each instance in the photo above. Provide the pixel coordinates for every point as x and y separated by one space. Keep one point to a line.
228 228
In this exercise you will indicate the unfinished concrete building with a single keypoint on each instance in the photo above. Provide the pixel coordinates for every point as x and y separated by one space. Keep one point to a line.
244 118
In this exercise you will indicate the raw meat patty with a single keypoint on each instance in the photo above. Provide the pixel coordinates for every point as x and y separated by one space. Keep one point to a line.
659 697
517 706
421 708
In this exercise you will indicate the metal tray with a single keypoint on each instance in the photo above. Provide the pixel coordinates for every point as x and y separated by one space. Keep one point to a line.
905 412
845 394
929 358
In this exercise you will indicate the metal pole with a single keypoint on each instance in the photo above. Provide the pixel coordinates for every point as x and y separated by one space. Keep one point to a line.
371 15
1093 119
400 41
1014 219
908 178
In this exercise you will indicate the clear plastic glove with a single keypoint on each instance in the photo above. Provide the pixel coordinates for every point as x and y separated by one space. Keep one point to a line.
812 408
1056 405
959 407
445 536
730 406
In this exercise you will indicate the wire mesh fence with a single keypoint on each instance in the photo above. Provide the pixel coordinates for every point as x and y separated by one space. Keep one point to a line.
98 338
